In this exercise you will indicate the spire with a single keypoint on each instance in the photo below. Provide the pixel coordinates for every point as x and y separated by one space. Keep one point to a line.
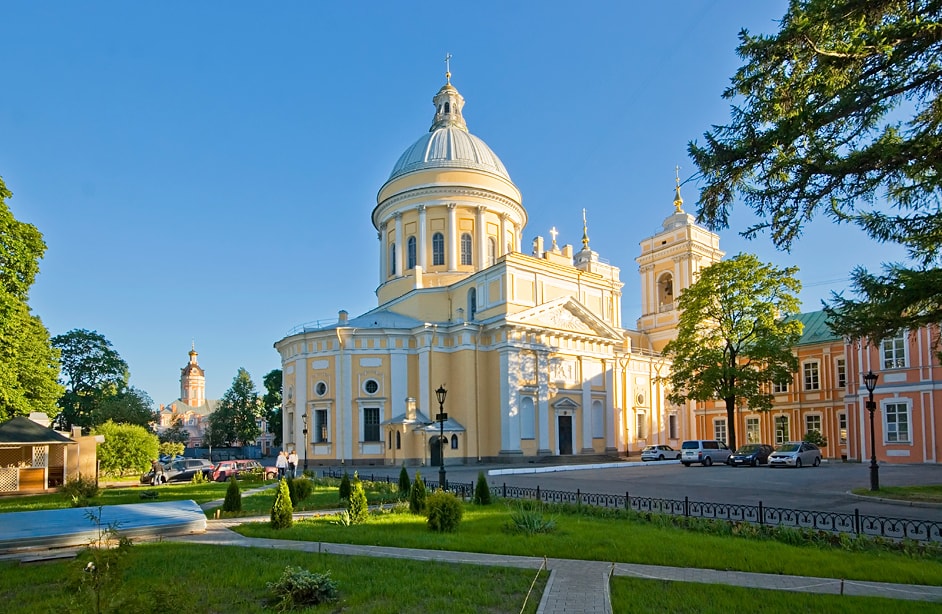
448 103
585 232
678 200
192 352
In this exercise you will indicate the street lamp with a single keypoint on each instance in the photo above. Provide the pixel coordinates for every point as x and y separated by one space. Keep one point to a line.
870 381
440 418
304 433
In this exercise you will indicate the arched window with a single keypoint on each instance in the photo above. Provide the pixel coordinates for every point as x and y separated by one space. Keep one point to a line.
438 249
447 108
466 249
454 442
666 289
491 251
392 259
398 441
472 303
410 253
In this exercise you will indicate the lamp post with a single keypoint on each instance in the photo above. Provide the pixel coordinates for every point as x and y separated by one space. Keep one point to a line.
870 381
304 433
440 418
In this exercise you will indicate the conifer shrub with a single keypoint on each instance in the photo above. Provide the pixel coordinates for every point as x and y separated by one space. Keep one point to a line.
233 501
482 492
300 489
444 511
405 485
298 588
357 506
282 510
345 487
417 495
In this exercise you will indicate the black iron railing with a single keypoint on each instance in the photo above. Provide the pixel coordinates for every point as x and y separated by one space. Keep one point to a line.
836 522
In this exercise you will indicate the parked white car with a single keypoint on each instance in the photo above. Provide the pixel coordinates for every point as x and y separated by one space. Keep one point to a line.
659 453
795 454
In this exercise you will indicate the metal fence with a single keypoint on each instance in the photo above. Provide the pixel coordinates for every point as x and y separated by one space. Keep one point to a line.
855 523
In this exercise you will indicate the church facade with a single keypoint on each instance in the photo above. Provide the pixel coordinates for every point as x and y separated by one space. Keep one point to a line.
526 341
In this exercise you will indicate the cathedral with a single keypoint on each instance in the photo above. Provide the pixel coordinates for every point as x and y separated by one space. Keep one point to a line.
483 348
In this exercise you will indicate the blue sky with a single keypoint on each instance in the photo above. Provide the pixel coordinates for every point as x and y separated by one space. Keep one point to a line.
206 171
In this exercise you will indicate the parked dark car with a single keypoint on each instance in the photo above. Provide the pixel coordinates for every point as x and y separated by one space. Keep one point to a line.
751 454
181 470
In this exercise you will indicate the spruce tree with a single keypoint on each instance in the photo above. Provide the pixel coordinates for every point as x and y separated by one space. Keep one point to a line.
417 495
345 487
282 510
405 485
482 492
233 502
358 507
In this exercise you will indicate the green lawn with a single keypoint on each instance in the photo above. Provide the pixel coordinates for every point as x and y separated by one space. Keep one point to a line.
201 493
927 494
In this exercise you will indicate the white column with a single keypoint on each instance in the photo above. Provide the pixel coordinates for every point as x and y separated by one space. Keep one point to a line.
399 250
422 239
542 405
451 239
479 232
502 244
609 374
588 369
510 414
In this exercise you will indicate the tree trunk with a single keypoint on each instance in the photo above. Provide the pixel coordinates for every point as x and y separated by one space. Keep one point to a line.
731 422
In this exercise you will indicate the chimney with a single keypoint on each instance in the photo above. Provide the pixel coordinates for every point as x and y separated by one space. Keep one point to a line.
342 317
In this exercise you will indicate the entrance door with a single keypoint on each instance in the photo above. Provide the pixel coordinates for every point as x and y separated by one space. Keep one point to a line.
564 434
435 451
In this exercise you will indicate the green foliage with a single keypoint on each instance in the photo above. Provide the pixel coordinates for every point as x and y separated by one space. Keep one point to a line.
199 478
169 448
836 115
80 490
29 364
127 448
528 518
344 488
299 489
735 336
444 511
130 406
98 569
482 492
282 511
417 495
235 419
817 438
233 500
357 506
405 484
299 588
92 372
271 403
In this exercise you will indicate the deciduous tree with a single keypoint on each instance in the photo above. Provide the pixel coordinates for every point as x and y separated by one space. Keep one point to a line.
127 448
271 404
838 114
235 420
130 406
734 336
92 371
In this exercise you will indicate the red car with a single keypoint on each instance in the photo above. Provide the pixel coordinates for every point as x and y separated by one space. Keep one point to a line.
226 469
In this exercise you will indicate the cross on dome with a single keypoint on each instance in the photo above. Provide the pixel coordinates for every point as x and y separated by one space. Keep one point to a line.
554 232
448 68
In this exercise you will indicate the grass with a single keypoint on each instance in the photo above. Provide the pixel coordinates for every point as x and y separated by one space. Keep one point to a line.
632 541
201 493
184 578
926 494
324 497
635 595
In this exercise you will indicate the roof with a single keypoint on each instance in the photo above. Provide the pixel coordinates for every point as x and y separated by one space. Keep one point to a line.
21 430
378 318
449 148
816 329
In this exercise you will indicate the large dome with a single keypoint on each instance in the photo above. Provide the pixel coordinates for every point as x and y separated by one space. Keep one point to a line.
449 148
448 144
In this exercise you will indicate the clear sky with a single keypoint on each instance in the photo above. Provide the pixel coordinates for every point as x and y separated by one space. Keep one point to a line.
205 172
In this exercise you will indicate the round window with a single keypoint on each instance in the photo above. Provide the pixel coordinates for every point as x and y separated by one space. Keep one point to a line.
371 386
320 388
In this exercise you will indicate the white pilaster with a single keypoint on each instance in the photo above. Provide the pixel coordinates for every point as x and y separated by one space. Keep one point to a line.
451 238
542 404
399 250
423 239
481 242
502 244
588 370
610 441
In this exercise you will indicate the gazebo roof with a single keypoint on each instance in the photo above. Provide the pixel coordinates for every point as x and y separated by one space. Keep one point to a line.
23 431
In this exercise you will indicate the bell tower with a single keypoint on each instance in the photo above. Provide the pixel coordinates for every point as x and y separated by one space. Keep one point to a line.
669 263
193 382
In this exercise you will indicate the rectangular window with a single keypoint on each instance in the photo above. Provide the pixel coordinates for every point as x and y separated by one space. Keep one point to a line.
781 429
842 428
719 429
894 352
672 426
841 373
320 426
780 387
812 380
640 423
896 422
813 423
752 430
371 424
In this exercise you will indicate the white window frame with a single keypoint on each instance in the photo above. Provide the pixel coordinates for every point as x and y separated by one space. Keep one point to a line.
753 429
811 375
781 434
467 249
892 433
363 424
842 427
321 432
809 418
779 387
894 352
410 253
438 249
720 432
841 372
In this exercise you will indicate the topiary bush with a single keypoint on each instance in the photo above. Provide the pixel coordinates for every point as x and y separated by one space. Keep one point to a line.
233 501
300 489
417 495
444 512
482 492
358 507
345 487
298 588
282 511
405 485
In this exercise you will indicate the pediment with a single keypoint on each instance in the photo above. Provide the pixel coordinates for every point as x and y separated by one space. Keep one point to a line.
568 315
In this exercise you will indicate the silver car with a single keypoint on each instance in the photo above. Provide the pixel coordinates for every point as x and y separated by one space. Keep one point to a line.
659 453
795 454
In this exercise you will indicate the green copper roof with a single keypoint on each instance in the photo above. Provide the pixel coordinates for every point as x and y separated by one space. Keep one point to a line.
816 329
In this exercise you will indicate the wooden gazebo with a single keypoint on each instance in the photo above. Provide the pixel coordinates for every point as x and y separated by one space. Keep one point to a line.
34 457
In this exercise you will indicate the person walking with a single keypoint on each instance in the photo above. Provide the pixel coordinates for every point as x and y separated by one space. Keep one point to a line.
281 464
158 470
293 463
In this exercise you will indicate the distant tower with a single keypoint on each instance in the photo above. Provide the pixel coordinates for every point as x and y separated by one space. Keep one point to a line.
669 263
193 382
